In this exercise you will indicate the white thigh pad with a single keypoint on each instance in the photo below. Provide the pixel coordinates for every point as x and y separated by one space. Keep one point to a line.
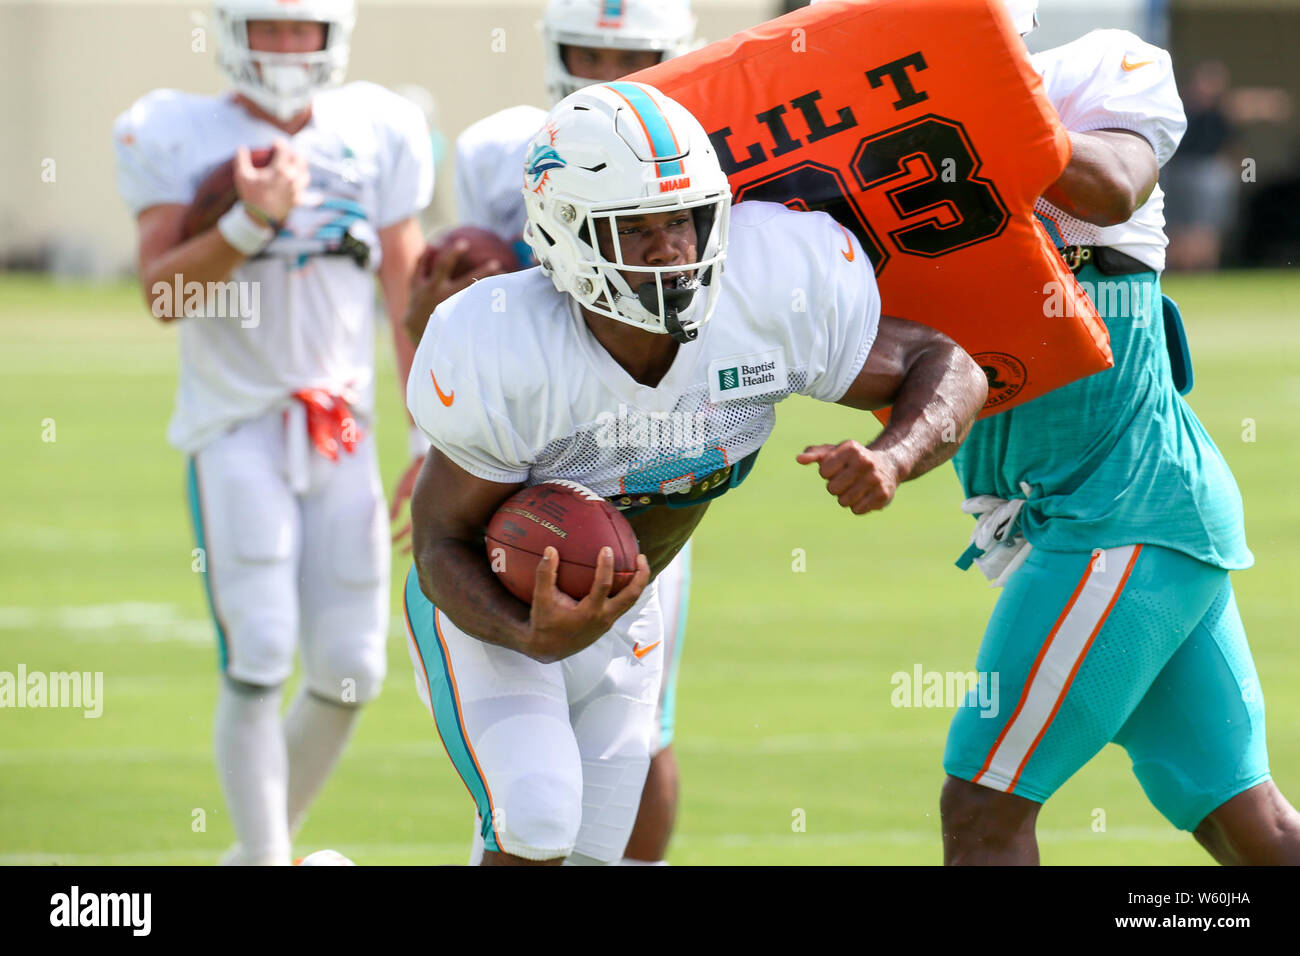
515 721
251 530
614 725
344 578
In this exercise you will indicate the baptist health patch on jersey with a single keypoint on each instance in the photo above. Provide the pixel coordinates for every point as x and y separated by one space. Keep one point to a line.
744 376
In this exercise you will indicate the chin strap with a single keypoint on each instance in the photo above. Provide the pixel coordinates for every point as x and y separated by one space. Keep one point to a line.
674 327
674 301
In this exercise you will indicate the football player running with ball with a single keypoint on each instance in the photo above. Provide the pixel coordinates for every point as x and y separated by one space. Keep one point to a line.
547 709
1112 521
274 407
585 41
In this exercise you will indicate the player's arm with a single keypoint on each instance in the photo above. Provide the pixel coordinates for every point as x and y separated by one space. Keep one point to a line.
161 255
450 509
1111 173
402 243
268 193
935 390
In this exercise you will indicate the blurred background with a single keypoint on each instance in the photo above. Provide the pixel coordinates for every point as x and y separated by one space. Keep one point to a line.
72 65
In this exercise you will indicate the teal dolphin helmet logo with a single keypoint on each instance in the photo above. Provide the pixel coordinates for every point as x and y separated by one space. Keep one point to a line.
541 158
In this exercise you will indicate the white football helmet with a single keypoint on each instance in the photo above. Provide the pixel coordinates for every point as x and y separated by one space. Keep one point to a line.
666 26
283 84
1024 14
625 149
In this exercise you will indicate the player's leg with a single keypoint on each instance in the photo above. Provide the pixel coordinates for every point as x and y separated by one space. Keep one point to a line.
987 827
248 743
1197 741
612 693
657 813
316 731
246 523
1256 828
343 599
504 722
1074 643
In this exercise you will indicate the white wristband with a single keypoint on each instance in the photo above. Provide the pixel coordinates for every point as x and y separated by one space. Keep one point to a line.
419 442
239 229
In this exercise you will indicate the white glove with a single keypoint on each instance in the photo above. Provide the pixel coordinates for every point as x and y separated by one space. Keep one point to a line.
996 545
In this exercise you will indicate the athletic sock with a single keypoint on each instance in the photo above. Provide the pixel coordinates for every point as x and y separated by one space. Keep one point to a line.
251 763
628 861
315 733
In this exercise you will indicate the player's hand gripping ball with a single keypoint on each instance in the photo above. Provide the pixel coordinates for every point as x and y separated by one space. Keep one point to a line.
455 261
467 249
216 194
575 521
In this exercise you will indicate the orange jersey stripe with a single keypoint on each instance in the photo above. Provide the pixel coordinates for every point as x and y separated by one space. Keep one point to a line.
1078 662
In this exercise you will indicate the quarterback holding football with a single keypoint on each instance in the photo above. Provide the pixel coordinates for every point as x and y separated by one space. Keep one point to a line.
274 410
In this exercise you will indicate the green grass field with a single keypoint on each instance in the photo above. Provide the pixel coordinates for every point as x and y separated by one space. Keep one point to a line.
784 697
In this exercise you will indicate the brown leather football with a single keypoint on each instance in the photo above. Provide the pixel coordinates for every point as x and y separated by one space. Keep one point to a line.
216 194
484 246
574 520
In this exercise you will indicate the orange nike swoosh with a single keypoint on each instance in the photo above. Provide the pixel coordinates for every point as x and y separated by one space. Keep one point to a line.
445 399
1127 66
639 652
848 253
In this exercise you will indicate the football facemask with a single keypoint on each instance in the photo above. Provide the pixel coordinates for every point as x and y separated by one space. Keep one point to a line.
283 84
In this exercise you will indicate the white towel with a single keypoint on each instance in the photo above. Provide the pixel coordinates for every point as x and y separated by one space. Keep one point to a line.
997 544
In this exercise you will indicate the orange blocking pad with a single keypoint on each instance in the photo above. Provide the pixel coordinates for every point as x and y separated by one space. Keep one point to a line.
921 126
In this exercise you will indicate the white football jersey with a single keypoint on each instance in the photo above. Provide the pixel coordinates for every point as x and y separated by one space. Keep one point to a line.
511 385
304 314
1110 79
490 173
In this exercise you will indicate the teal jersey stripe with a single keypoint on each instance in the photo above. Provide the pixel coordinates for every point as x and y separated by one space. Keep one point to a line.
661 136
1053 232
196 517
442 695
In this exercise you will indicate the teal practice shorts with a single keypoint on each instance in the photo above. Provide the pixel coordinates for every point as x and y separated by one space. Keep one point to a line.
1139 645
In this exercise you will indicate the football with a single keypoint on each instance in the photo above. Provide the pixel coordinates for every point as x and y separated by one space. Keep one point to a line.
216 194
324 858
574 520
484 246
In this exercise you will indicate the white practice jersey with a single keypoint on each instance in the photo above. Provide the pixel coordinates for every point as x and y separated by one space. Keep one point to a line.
1110 79
490 172
511 385
305 305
